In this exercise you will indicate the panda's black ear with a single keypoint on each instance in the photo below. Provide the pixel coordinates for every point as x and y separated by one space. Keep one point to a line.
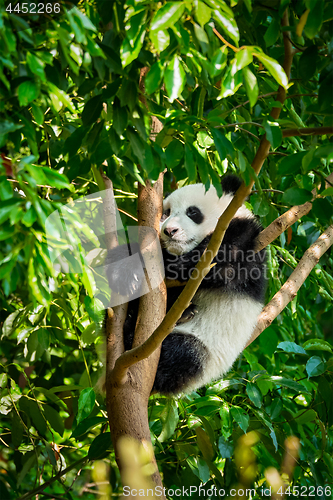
230 183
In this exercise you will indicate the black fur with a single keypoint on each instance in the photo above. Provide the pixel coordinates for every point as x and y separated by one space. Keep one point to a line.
181 359
230 183
238 269
195 214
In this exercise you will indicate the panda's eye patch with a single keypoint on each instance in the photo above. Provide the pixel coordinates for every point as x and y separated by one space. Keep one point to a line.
195 214
166 214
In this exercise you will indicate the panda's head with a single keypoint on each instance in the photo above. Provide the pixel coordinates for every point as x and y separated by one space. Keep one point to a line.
189 215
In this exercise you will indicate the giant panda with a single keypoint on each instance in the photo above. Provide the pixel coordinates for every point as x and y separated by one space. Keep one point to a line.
215 328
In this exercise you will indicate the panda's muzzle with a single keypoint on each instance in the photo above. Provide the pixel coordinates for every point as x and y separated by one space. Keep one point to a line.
170 231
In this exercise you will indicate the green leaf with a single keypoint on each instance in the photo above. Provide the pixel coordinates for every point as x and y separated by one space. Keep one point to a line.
17 430
60 98
287 382
167 16
251 86
276 408
100 447
322 209
230 82
174 78
305 416
83 19
30 462
169 418
201 157
43 336
218 62
87 425
161 39
6 189
291 347
7 126
296 196
86 403
314 20
239 415
31 407
129 53
190 164
174 154
204 139
317 345
291 164
273 133
274 68
57 180
54 419
272 32
29 217
92 111
202 12
205 444
28 91
315 366
202 38
36 65
260 205
254 394
226 449
243 58
154 77
37 113
308 62
228 24
136 143
222 144
268 341
120 117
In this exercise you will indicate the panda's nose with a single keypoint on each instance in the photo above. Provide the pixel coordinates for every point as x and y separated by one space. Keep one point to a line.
170 231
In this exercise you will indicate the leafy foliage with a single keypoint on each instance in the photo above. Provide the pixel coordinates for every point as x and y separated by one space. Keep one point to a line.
70 104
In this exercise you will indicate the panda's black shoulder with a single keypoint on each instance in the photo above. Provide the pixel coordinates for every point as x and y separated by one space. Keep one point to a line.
230 183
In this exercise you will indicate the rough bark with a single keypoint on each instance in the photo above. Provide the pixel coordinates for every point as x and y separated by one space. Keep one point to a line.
127 392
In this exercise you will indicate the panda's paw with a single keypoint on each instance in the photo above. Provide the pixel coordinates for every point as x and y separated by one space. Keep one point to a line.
188 314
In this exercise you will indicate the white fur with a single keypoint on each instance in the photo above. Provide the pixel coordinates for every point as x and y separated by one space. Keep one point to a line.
190 234
224 325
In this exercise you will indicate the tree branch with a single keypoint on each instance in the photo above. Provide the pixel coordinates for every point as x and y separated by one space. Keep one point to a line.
115 318
294 282
293 132
152 305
